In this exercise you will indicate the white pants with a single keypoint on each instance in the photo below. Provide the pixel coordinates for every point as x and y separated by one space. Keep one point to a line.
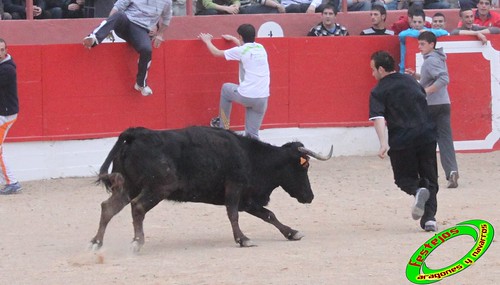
5 123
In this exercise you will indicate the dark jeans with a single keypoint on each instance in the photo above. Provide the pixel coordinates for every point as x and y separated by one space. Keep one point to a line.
302 8
257 9
135 35
416 167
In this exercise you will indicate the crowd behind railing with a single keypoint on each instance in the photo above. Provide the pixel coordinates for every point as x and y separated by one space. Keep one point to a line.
69 9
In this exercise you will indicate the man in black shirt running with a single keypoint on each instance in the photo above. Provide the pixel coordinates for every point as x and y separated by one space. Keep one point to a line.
400 100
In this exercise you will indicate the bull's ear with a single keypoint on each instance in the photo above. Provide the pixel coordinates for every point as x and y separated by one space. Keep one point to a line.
304 161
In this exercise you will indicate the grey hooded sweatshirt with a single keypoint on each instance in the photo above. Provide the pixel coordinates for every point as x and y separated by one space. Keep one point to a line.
435 71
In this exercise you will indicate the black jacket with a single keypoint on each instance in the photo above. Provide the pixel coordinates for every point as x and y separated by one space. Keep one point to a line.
9 104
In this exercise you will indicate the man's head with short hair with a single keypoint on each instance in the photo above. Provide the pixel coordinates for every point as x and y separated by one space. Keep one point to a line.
418 20
426 42
247 33
381 64
416 12
467 17
483 7
328 16
439 21
3 49
378 14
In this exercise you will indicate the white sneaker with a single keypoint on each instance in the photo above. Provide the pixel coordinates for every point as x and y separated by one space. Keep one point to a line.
421 198
89 41
145 91
430 226
452 181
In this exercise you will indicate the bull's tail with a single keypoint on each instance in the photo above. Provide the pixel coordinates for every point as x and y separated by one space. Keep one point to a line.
115 179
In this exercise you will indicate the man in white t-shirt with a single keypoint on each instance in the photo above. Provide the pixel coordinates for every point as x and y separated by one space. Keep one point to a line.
253 90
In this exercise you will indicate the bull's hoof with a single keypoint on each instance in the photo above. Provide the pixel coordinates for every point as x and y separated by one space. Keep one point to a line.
247 243
295 236
136 246
94 245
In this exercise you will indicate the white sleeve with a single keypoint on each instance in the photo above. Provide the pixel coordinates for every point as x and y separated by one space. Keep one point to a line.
233 53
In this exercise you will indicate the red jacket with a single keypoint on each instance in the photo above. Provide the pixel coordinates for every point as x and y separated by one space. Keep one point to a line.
492 20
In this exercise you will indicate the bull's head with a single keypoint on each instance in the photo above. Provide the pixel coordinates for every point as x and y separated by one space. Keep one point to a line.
296 180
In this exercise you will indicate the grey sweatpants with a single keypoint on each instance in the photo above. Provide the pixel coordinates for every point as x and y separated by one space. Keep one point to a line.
441 116
255 109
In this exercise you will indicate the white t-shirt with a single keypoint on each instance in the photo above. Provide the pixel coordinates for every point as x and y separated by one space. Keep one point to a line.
254 69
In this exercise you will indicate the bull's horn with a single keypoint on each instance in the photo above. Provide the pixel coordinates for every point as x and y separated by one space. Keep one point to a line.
316 155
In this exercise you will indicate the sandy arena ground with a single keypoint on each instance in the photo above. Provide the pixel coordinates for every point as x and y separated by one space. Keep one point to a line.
358 230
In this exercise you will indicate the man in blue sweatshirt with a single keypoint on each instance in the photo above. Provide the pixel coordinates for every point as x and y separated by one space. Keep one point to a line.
417 26
136 22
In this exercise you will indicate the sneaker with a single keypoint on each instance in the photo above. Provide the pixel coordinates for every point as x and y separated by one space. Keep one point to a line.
421 197
12 188
89 41
215 122
145 91
453 180
430 226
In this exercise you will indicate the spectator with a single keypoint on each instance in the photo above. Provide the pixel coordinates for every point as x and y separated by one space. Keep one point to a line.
217 7
435 79
405 22
328 26
303 6
4 15
417 27
399 100
73 8
135 22
484 17
468 27
253 91
9 108
261 7
378 14
438 21
17 9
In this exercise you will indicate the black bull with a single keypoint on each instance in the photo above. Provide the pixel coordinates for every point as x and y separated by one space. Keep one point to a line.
201 164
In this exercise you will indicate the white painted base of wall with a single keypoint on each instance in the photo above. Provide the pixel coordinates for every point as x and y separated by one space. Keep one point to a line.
83 158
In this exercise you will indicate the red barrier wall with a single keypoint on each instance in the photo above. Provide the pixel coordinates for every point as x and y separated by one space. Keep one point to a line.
68 92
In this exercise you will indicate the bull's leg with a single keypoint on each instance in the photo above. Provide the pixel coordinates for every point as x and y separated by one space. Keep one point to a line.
140 206
268 216
232 201
109 208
